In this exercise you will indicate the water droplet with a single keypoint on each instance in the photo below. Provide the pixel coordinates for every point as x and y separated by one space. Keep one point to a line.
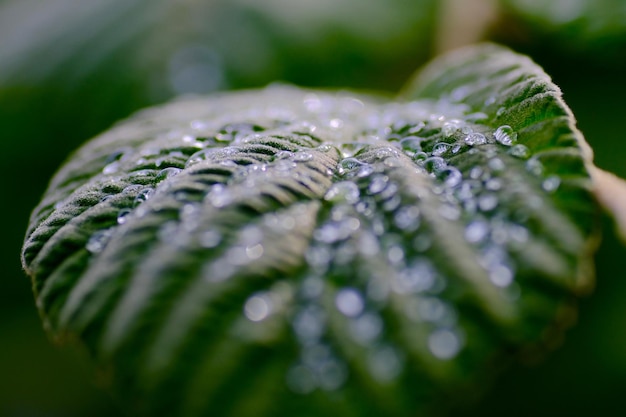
111 168
534 166
209 239
385 363
366 328
418 277
476 231
378 184
444 344
490 100
336 123
219 196
349 302
449 129
441 148
460 93
505 135
395 254
411 143
325 147
422 242
496 164
301 380
312 287
493 184
551 183
501 275
167 173
258 307
309 323
475 138
434 164
520 151
203 155
98 241
284 166
122 215
348 164
318 257
500 111
343 192
487 201
302 157
476 117
143 195
451 177
254 251
420 157
407 218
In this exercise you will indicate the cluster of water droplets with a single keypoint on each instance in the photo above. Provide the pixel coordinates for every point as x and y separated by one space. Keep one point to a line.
373 250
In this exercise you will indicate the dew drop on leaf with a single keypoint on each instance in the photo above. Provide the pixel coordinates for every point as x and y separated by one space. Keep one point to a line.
505 135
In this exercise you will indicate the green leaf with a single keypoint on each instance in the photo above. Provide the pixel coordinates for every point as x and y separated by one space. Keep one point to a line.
291 252
591 28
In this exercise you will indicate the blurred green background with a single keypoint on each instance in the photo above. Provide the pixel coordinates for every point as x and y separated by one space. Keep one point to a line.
71 68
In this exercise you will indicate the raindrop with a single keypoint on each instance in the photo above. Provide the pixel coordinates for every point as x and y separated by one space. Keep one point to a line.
309 323
407 218
493 184
520 151
444 344
348 164
254 251
284 166
343 192
395 254
220 196
505 135
475 139
303 157
203 155
501 275
366 328
551 183
487 201
258 307
98 240
385 364
496 164
349 302
122 215
441 148
378 184
143 195
451 177
167 173
476 231
336 123
111 168
411 143
534 166
209 239
434 164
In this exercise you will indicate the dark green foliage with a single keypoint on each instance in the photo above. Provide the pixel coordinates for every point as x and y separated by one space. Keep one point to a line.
294 252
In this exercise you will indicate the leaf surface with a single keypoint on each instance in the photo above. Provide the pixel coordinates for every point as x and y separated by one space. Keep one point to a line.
290 252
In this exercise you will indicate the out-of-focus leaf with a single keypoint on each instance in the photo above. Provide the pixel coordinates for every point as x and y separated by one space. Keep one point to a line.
596 28
290 252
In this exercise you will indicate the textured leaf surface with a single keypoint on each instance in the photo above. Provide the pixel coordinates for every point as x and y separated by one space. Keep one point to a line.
288 252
